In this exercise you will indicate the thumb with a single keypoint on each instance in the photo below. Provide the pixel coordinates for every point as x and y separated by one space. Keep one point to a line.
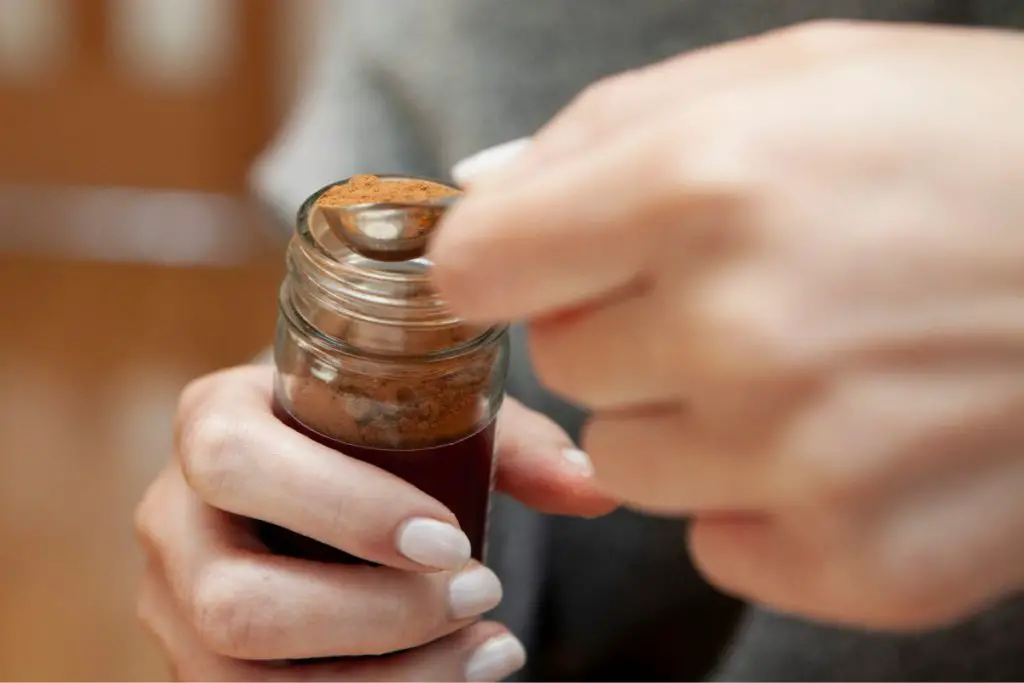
539 465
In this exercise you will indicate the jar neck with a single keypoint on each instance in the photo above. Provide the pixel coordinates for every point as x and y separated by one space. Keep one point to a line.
364 306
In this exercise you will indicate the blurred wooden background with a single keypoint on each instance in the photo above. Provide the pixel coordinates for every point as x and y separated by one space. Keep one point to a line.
130 261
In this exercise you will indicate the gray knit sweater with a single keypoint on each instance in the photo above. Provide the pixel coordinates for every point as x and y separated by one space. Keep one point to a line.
411 86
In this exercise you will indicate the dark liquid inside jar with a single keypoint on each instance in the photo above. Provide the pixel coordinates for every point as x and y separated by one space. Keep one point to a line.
458 474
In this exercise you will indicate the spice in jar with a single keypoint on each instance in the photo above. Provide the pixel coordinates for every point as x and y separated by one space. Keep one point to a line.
370 362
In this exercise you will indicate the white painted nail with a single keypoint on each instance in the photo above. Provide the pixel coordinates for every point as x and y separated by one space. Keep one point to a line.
433 543
495 659
473 592
579 461
489 160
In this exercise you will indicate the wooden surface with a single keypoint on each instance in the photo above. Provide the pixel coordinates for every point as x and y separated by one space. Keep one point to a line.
92 357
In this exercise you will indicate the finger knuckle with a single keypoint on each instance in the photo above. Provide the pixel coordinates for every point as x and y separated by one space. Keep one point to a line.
197 396
194 391
714 556
599 97
398 622
145 533
591 111
226 613
706 560
829 457
918 581
214 448
192 399
821 482
823 36
743 325
700 158
149 513
421 610
403 626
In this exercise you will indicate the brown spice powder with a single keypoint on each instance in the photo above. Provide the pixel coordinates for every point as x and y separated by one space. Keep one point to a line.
427 408
367 189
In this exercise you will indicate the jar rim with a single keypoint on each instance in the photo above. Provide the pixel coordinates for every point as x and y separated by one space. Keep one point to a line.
336 278
333 266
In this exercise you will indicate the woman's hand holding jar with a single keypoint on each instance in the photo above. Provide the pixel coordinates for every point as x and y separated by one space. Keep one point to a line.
223 608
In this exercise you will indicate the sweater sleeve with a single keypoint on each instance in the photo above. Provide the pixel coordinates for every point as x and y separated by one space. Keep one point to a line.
1000 13
774 647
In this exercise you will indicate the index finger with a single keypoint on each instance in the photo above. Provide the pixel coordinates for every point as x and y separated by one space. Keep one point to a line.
577 214
575 233
240 458
539 466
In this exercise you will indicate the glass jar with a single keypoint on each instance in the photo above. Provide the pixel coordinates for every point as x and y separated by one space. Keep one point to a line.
370 362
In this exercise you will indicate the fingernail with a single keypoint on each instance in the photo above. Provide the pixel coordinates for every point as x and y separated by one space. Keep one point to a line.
433 543
495 659
489 160
473 592
578 461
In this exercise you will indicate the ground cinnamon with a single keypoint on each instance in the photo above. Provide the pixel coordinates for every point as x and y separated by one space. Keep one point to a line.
365 189
403 239
408 410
